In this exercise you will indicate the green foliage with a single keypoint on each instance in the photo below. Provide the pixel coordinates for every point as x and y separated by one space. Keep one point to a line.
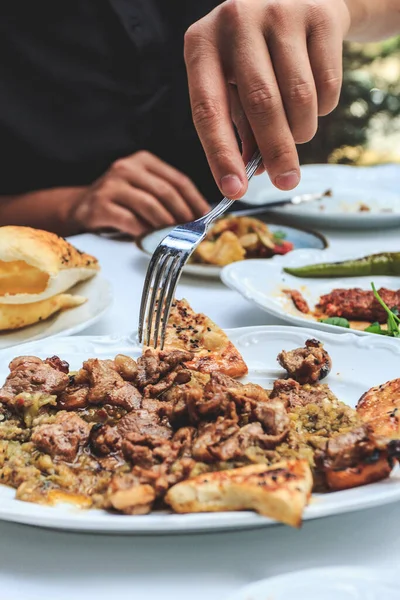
366 95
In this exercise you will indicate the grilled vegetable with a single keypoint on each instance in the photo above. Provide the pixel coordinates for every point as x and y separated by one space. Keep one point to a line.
385 263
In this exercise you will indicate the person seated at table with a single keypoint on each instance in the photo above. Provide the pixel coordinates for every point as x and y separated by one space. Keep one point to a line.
111 116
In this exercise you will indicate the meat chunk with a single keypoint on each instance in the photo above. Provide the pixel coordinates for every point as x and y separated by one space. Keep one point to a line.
306 365
58 364
108 387
126 367
152 366
29 374
63 438
357 304
298 300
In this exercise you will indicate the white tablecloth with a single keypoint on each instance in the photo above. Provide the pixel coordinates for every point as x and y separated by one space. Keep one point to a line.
36 564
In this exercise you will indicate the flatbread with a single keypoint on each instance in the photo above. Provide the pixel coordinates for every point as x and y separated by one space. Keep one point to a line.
197 333
380 409
16 316
280 491
36 265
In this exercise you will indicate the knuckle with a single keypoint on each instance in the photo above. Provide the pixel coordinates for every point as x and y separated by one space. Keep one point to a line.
277 12
193 36
302 94
280 153
261 100
120 168
165 190
105 192
206 111
233 11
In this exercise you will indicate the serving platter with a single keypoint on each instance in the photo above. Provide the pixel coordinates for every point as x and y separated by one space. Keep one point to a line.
99 296
300 238
262 283
362 197
358 364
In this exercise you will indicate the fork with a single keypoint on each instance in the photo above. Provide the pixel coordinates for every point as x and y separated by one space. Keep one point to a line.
166 265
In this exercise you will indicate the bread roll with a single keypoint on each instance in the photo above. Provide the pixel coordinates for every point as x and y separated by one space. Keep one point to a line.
36 265
16 316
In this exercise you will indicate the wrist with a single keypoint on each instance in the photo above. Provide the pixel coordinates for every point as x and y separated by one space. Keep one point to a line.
67 210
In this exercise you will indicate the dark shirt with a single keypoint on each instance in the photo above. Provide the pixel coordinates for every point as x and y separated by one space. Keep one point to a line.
84 82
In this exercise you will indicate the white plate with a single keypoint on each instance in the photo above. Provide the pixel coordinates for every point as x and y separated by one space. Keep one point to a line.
99 298
262 282
377 187
301 238
329 583
358 365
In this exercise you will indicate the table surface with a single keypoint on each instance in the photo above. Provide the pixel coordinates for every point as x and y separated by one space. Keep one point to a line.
37 564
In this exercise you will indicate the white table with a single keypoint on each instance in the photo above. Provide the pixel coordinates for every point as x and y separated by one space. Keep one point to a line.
36 564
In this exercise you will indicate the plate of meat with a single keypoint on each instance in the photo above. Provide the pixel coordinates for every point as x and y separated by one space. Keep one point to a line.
326 290
222 430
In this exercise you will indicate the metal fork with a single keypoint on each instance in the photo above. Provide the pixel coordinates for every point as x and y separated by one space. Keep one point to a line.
166 265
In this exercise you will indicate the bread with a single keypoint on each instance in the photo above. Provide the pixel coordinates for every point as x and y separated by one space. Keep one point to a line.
16 316
197 333
36 265
280 491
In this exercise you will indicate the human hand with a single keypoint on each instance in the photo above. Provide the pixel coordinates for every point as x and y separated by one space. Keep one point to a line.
137 194
270 67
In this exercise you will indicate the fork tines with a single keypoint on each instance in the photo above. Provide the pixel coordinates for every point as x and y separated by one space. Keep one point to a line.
158 294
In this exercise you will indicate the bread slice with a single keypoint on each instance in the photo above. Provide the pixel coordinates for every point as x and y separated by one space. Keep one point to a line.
16 316
280 491
197 333
380 409
36 265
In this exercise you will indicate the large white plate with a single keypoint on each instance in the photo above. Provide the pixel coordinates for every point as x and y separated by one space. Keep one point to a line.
377 187
358 365
327 583
99 298
262 282
300 238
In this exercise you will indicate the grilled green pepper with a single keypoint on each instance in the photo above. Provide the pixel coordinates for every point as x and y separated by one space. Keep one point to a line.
386 263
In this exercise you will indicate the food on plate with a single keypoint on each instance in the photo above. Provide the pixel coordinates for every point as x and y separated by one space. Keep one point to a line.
348 307
210 347
280 491
136 435
36 269
358 305
380 408
384 263
306 365
236 238
16 316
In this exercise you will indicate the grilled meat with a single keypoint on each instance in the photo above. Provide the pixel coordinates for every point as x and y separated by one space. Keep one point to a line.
306 365
298 300
356 304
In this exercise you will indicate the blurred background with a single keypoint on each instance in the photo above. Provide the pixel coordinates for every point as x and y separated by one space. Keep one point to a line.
365 128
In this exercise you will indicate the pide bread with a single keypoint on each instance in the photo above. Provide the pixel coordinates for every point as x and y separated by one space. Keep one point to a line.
16 316
36 265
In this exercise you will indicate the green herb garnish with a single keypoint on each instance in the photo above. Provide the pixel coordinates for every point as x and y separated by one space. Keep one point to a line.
338 321
279 235
393 321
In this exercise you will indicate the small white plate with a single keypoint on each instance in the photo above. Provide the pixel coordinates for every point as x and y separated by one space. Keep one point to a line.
376 187
356 368
262 283
67 322
329 583
300 238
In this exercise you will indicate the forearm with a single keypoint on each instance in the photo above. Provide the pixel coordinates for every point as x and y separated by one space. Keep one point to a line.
44 209
373 20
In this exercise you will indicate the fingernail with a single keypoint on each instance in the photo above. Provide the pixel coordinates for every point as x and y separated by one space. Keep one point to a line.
287 181
231 185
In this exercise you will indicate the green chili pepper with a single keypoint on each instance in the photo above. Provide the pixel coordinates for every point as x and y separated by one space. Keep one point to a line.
386 263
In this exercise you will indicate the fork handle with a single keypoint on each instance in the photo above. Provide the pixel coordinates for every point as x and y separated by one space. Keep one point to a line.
225 203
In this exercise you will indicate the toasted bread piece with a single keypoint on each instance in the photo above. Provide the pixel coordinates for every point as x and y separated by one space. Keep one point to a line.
380 408
280 491
196 333
36 265
16 316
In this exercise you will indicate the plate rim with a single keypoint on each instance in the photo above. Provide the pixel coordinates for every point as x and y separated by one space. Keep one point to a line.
156 524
